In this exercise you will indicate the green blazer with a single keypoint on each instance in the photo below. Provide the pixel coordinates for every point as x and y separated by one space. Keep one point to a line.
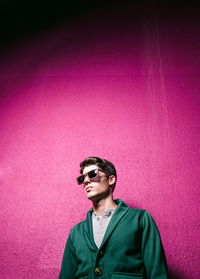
131 248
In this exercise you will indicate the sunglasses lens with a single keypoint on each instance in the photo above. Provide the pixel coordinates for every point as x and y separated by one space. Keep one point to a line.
80 179
92 174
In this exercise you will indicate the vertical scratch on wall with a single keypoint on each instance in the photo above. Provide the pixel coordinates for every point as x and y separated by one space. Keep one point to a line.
164 104
148 63
156 89
156 83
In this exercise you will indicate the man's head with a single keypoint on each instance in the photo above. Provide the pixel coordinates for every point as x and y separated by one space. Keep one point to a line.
99 174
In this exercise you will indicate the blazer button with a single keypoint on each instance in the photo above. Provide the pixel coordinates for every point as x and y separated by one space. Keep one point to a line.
101 254
98 271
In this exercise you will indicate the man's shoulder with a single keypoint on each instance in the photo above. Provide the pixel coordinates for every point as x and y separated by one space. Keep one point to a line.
136 212
131 209
79 226
133 212
139 211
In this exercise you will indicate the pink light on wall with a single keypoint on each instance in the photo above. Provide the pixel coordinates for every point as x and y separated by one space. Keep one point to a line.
132 99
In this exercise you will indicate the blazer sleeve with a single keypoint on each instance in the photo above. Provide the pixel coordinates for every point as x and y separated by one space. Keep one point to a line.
69 262
152 249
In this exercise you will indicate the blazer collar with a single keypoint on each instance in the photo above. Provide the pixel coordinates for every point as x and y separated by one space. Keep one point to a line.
120 211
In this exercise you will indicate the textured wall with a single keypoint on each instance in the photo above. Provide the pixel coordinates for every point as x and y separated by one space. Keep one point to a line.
126 92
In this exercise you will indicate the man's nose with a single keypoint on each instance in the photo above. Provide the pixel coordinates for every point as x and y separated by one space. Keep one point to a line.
86 179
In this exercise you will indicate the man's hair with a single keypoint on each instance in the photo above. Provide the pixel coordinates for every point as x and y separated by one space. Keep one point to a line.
102 164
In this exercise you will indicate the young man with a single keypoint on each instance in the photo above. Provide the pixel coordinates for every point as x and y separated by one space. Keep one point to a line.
115 241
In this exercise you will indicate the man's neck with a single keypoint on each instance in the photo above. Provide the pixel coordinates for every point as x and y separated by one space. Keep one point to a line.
103 204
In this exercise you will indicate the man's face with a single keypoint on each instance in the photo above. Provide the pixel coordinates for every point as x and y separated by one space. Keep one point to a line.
97 190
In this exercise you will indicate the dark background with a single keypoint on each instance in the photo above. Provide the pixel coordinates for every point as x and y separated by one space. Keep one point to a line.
22 19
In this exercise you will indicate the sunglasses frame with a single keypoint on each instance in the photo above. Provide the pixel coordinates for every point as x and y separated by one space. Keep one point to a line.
93 179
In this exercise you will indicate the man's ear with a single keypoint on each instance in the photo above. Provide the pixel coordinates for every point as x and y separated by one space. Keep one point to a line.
112 180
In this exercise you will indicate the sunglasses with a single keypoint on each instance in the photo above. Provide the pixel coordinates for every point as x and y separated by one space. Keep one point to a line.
93 176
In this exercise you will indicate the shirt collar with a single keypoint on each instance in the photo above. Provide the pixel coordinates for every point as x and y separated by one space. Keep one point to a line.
107 212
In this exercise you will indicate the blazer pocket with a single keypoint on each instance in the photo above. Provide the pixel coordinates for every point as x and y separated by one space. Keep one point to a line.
123 275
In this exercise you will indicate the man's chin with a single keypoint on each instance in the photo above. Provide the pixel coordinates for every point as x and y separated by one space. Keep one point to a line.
98 197
91 197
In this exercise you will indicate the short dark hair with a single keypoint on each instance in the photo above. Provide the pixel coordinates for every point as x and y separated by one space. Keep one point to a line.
102 164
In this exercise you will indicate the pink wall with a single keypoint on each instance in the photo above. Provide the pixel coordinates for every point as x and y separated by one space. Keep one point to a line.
127 93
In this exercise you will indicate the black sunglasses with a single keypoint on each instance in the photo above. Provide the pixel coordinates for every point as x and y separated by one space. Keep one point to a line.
93 176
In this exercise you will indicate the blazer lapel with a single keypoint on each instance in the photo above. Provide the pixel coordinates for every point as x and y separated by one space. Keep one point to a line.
119 213
88 235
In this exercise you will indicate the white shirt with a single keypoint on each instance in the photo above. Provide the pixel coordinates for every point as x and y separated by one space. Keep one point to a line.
100 224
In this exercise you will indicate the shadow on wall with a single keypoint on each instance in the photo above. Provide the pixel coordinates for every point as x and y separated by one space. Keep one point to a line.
173 274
